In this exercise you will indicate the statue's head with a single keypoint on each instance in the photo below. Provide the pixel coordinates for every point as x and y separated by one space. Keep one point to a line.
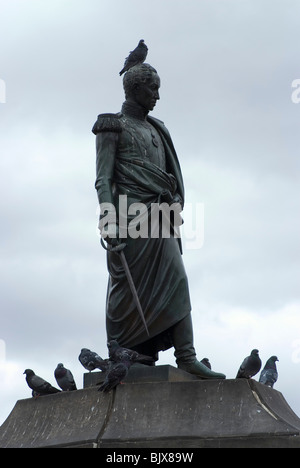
141 84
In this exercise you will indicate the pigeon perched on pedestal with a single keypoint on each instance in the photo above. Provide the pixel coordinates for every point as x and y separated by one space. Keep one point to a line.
250 366
135 57
206 362
38 385
91 360
116 374
269 374
119 354
64 378
120 361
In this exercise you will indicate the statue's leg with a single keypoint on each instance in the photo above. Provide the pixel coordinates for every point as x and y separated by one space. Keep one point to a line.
182 338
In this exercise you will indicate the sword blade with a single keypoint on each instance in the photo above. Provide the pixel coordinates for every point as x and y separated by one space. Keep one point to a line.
133 289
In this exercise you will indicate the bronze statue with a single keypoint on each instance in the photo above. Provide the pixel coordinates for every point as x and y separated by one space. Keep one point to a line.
138 169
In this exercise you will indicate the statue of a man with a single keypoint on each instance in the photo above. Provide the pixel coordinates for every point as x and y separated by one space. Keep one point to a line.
137 166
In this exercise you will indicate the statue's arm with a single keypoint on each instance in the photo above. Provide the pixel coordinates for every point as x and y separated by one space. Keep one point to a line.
107 129
106 147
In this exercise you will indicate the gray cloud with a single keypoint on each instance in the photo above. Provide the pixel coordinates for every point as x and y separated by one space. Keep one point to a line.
226 70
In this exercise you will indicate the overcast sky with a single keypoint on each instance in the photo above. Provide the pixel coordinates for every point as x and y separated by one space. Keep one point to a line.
226 69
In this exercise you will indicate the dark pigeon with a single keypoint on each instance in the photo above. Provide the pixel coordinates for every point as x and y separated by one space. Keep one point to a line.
91 360
250 366
206 362
38 385
135 57
120 361
116 374
119 354
64 378
269 374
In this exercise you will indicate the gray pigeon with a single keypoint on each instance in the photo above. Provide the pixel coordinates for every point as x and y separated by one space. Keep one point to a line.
135 57
250 366
206 362
269 374
91 360
119 354
38 385
64 378
116 374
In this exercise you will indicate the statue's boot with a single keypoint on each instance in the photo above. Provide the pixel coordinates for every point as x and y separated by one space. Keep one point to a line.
182 338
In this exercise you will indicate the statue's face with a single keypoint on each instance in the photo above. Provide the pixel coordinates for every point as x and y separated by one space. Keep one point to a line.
146 94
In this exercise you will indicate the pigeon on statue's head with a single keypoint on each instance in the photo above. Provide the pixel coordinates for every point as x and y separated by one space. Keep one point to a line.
38 385
135 57
64 378
91 360
269 374
250 366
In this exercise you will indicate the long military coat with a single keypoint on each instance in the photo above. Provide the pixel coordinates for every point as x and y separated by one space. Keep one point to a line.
136 158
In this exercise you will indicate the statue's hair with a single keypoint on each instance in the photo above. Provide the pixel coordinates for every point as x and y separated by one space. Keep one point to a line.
138 74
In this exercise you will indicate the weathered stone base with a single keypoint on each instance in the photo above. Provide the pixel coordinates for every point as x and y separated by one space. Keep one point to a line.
167 409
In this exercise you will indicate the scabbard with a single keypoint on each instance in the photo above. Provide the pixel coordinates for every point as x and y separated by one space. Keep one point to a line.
120 250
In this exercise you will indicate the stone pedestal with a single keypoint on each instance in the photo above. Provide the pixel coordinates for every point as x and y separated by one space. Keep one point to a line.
156 407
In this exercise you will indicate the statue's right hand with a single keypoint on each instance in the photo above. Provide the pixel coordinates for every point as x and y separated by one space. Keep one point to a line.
110 233
112 241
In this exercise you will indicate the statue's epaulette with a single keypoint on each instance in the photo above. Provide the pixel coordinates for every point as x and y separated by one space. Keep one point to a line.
107 123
